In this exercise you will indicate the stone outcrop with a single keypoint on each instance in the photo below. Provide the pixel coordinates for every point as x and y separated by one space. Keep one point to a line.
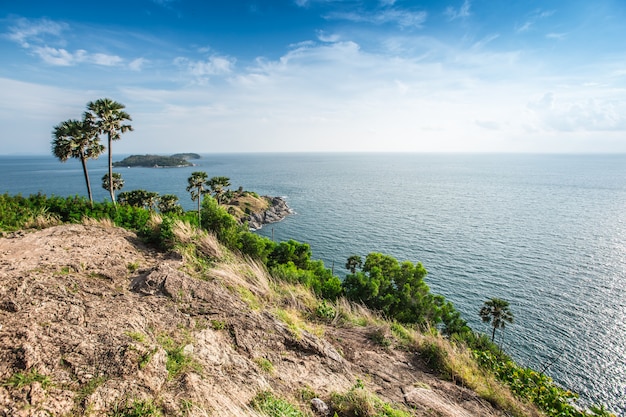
277 211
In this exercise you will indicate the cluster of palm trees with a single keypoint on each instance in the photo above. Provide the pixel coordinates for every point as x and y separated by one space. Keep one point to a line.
81 139
199 184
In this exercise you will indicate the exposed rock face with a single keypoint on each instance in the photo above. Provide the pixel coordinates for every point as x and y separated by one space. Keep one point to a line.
91 319
278 210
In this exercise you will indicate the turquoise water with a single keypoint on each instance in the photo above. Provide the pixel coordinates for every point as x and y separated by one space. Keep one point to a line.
546 232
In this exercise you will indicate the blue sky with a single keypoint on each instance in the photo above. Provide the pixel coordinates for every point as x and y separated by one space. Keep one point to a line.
320 75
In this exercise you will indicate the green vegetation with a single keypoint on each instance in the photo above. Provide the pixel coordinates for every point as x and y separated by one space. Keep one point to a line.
396 290
270 405
360 402
22 379
136 408
265 365
195 185
108 118
77 139
152 161
188 155
177 360
496 311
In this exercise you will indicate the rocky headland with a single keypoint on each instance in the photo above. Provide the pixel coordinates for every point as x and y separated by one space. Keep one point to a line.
277 211
93 322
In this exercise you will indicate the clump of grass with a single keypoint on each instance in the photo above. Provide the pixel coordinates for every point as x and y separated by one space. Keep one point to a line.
136 336
265 365
177 360
146 358
21 379
292 319
267 403
136 408
358 401
380 336
132 267
249 298
456 363
218 324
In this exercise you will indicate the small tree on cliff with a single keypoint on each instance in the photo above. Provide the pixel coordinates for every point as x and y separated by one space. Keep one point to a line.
113 184
196 186
498 313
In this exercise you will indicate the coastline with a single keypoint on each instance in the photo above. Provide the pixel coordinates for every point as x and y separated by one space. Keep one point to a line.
277 211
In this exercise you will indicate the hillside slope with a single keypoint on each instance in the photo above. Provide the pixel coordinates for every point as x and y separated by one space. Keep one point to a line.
92 322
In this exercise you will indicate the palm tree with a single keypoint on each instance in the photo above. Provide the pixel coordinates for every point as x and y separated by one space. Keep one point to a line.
109 117
217 186
497 312
195 186
77 139
112 184
168 203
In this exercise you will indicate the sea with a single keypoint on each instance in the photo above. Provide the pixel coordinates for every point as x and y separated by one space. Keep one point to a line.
545 232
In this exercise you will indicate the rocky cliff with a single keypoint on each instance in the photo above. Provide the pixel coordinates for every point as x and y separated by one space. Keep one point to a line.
277 211
92 322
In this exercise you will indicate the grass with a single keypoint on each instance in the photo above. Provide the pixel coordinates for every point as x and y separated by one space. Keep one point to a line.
136 336
270 405
177 360
22 379
265 365
136 408
358 401
456 363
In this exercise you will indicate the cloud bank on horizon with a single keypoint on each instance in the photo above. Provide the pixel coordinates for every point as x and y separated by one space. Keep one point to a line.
321 75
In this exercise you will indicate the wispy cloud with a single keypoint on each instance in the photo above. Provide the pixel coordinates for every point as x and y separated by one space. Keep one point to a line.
403 18
137 64
460 13
25 31
533 18
556 36
35 36
65 58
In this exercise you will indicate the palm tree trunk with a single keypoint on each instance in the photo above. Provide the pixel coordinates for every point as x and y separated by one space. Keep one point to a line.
83 161
493 334
111 191
199 219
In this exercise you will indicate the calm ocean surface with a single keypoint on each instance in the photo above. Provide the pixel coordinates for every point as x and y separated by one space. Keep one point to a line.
546 232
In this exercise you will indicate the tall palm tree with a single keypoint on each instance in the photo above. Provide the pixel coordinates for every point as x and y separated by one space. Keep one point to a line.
109 118
195 186
77 139
497 312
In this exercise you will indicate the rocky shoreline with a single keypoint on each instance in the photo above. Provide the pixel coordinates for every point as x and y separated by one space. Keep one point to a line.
277 211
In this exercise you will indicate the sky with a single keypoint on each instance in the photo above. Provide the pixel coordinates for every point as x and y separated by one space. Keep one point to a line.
320 75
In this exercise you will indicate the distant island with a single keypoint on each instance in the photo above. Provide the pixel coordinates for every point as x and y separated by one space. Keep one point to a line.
157 161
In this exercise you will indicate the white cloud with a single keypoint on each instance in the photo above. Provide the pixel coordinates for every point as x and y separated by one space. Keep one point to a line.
403 18
137 64
25 31
460 13
203 70
36 36
602 111
324 37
